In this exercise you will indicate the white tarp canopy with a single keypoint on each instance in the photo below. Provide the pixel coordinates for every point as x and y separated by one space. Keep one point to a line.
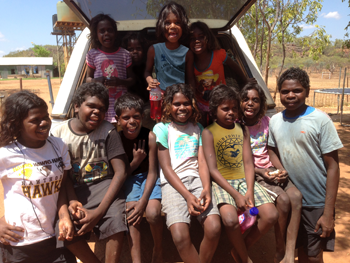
25 61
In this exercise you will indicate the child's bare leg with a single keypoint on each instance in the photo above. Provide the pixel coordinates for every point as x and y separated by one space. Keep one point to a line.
293 227
182 240
114 247
230 220
212 230
134 238
154 218
283 208
304 258
81 250
268 217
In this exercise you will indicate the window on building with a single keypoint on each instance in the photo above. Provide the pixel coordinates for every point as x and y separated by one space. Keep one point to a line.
13 71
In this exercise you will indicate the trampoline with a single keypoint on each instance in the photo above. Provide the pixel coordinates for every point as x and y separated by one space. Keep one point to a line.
339 92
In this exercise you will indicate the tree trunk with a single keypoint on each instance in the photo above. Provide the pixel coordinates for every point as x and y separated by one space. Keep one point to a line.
267 65
256 29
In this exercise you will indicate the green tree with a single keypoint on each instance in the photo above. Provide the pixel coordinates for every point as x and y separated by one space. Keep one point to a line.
40 51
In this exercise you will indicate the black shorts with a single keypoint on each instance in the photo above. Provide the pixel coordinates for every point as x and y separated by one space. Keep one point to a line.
114 221
309 240
42 252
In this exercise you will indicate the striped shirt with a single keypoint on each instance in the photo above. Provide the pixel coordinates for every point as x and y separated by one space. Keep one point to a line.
110 65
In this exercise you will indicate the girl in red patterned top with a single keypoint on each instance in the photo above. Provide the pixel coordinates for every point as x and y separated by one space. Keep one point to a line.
209 61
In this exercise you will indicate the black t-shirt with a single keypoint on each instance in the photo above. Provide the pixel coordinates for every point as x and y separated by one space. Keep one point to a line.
129 146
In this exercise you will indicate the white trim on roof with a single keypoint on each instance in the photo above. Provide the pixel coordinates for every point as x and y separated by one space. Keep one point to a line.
26 61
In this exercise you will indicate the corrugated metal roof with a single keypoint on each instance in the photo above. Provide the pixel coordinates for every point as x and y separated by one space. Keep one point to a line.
19 61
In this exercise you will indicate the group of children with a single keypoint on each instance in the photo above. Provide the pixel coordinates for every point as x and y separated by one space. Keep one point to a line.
179 168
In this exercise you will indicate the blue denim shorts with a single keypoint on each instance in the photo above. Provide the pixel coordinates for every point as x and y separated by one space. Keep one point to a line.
135 185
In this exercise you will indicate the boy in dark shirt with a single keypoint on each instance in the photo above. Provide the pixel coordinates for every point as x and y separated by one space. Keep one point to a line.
142 186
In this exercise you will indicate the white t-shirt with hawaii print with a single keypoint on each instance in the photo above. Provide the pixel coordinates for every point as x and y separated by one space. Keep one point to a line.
32 180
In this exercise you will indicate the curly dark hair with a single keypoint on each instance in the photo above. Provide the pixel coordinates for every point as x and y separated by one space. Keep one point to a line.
295 74
180 12
218 95
95 43
139 37
263 104
170 92
212 43
91 89
13 111
128 101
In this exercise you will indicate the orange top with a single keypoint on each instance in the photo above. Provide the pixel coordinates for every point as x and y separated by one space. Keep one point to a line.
212 76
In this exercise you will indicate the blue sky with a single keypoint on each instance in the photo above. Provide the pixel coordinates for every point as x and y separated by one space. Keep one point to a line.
23 22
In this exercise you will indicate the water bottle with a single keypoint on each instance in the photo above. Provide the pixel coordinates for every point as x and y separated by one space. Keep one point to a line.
155 98
247 218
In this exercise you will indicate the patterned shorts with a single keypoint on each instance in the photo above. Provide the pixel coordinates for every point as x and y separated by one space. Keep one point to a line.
222 197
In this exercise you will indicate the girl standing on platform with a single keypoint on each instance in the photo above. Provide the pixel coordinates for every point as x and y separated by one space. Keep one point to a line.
173 62
107 62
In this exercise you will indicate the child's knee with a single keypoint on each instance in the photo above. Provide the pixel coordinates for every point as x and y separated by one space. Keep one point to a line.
270 216
213 228
153 215
295 197
181 238
230 222
283 203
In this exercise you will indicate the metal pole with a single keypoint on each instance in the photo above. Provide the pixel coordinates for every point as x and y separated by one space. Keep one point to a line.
314 100
20 84
339 78
50 88
342 99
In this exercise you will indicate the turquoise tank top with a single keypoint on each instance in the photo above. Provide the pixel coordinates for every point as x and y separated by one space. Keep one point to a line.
169 64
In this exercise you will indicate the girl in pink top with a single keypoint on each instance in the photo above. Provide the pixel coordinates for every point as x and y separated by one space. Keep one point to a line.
286 196
107 62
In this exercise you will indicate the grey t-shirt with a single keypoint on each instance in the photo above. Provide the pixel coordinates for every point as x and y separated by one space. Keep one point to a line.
301 143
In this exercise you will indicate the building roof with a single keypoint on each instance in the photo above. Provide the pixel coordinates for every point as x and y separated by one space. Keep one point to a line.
26 61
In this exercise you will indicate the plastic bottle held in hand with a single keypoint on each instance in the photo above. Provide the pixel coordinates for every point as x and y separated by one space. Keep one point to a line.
247 218
155 98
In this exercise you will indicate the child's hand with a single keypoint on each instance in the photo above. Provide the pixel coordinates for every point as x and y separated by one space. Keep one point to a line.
7 234
112 82
249 199
139 153
326 223
193 205
152 85
73 209
66 229
204 199
241 202
90 219
138 210
269 178
282 176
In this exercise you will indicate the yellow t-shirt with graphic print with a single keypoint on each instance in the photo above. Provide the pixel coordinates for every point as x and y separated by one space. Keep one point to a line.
228 145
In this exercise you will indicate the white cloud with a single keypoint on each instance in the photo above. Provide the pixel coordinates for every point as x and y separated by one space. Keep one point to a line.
2 53
2 37
307 26
19 48
335 15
